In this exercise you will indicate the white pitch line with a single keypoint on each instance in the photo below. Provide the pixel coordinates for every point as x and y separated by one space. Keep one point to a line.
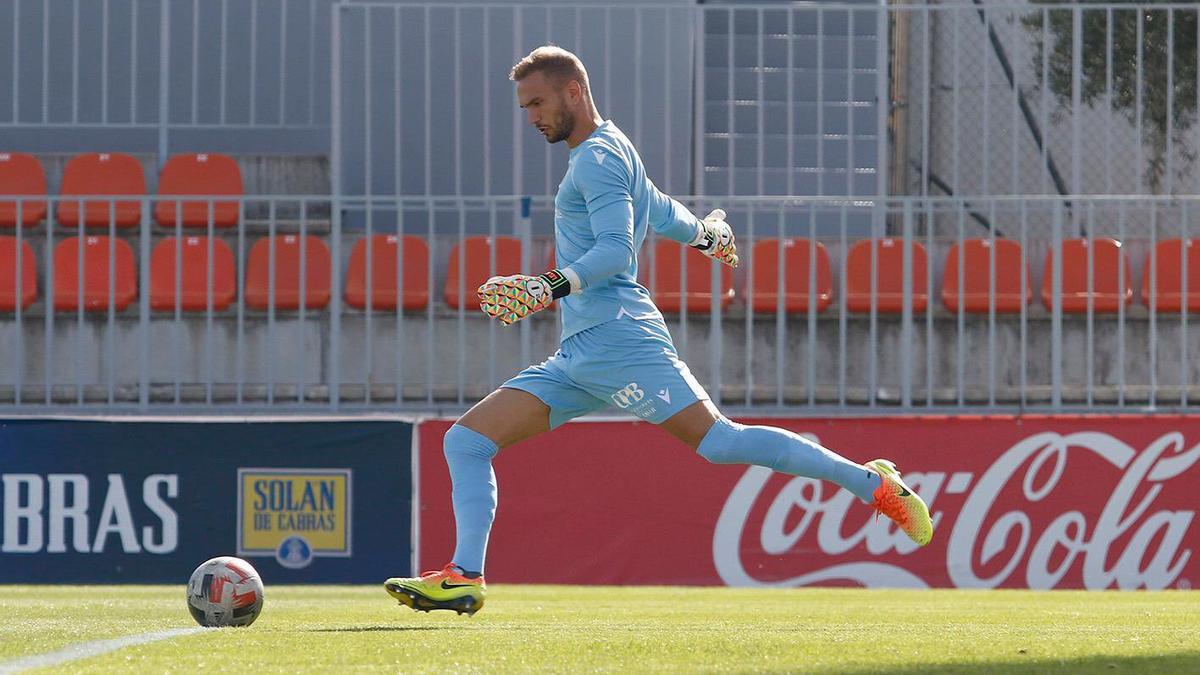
86 650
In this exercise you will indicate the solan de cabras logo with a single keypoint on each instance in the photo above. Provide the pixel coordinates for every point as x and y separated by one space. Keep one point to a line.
294 514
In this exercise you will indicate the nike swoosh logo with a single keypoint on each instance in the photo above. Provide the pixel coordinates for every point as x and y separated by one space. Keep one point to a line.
903 493
449 586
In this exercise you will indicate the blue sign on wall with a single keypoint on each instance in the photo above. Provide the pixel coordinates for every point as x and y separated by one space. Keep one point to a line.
145 502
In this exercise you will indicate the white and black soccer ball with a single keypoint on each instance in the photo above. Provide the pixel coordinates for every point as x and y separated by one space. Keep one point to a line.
225 591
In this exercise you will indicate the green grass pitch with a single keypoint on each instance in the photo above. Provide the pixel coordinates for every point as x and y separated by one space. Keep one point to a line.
624 629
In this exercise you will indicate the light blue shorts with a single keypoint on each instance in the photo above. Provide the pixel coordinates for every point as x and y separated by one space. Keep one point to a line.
630 364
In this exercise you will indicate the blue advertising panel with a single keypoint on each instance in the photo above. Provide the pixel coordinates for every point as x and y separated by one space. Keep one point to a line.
147 501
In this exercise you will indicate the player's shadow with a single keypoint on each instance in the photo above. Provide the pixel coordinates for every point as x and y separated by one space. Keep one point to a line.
377 629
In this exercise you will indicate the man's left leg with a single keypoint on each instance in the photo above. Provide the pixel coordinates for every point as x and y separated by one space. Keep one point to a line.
877 483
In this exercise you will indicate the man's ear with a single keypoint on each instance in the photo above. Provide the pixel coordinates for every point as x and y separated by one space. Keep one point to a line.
575 90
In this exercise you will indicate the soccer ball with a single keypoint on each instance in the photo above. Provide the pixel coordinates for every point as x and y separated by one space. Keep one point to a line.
225 591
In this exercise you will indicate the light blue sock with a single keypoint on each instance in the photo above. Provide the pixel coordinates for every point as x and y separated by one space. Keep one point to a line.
732 443
469 455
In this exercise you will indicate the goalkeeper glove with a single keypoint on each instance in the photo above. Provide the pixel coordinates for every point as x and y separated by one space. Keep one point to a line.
715 239
515 297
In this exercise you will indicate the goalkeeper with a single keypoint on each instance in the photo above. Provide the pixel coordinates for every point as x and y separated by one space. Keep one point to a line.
616 350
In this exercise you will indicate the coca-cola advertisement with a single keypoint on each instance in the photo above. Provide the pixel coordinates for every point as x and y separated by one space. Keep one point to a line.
1092 502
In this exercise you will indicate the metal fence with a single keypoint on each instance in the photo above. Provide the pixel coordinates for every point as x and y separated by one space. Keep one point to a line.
165 76
912 348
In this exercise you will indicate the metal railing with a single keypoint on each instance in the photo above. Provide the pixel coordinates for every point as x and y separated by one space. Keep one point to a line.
165 75
910 350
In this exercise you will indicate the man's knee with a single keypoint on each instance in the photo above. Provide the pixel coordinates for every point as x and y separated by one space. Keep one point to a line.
720 444
460 441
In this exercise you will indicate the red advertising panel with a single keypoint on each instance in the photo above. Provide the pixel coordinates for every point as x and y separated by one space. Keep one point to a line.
1028 502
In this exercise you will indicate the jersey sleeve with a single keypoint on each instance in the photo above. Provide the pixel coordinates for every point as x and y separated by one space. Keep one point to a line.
604 180
671 219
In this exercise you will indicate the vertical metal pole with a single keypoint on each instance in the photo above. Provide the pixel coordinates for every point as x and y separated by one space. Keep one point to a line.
821 168
16 63
104 63
1108 106
1139 159
335 131
761 105
1185 296
224 65
1169 184
283 43
960 310
850 112
882 101
1056 274
1024 318
75 65
1077 105
196 60
780 314
730 161
1121 311
458 135
254 61
164 80
906 328
699 57
842 305
1153 262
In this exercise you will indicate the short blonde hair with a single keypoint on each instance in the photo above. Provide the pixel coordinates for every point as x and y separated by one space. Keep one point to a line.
557 63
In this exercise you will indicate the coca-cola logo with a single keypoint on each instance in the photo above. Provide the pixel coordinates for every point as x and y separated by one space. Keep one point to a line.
1081 509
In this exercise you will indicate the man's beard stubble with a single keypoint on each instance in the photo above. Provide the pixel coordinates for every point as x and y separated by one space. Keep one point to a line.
564 128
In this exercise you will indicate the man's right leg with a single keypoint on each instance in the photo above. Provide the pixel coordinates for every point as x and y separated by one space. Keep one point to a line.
504 417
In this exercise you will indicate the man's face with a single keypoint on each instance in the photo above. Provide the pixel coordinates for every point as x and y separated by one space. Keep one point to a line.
545 106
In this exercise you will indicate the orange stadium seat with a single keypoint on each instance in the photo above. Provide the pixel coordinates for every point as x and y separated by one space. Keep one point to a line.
199 174
193 277
1168 295
1106 296
287 273
95 274
21 174
664 288
101 174
385 249
797 253
8 275
974 257
889 278
476 253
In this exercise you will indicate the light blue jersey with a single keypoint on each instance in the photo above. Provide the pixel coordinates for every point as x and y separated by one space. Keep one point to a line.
604 204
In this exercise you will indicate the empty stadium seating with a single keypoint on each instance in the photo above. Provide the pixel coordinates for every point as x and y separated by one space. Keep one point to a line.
9 298
1168 293
21 174
1106 292
101 174
973 257
796 269
287 264
100 269
464 276
384 254
889 279
199 174
193 282
666 268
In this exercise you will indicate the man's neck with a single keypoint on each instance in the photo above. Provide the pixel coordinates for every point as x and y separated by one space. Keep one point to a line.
582 131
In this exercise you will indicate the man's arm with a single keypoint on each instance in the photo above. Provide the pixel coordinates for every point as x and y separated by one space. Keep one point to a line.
604 183
712 236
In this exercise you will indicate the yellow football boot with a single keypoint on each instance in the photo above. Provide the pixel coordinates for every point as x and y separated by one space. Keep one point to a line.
441 589
894 500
